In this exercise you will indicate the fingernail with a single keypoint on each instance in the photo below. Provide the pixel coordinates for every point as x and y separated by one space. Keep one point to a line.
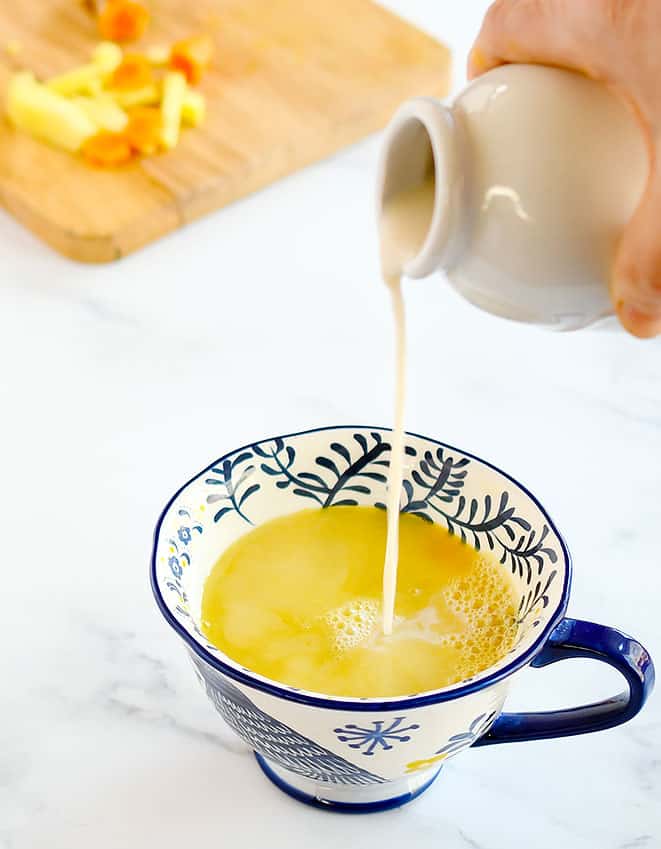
639 322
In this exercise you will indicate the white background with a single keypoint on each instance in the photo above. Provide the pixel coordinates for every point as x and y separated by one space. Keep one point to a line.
119 382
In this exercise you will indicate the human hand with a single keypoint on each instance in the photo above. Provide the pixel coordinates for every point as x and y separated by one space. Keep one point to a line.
616 42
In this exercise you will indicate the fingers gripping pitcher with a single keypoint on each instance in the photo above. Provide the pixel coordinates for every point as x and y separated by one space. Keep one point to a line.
535 172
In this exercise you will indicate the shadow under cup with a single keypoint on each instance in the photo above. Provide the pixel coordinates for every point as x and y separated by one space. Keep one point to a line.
370 754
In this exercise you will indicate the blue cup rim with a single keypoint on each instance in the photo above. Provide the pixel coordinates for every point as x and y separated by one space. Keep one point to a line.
365 704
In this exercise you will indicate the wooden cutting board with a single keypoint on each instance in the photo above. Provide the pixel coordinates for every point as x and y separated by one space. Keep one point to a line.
293 81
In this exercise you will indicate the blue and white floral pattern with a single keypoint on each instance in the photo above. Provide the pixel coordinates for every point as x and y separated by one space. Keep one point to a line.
228 480
345 471
479 726
354 471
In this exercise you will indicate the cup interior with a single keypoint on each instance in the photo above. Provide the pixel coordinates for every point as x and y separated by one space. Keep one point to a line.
337 466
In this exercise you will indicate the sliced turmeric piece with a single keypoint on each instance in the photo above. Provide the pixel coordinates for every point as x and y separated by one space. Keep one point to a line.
134 72
107 149
143 130
192 57
123 20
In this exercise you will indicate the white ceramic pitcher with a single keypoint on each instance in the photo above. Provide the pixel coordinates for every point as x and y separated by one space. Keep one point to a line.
537 171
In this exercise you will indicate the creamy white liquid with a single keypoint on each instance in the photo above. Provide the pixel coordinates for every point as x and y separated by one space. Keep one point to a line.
405 220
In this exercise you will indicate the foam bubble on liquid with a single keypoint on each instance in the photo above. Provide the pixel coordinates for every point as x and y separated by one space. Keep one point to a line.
354 623
358 623
486 604
480 631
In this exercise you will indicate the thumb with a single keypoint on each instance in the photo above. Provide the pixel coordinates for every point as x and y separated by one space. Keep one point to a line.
636 286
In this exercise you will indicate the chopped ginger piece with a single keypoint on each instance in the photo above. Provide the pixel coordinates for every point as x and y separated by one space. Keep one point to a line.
107 56
174 92
123 20
45 114
107 149
105 59
193 109
143 130
116 105
147 96
74 81
93 87
135 72
158 54
104 112
192 57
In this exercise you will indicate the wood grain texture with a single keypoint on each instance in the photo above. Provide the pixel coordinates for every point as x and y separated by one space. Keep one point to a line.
292 83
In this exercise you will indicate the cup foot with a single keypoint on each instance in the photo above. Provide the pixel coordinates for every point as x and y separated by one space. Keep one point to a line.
348 800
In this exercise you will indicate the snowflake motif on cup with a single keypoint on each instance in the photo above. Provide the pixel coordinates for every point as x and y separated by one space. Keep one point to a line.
380 736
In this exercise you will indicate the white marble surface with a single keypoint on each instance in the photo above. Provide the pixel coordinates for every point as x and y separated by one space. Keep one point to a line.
119 382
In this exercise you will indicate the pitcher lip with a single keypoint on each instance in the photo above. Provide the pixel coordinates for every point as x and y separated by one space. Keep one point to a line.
320 700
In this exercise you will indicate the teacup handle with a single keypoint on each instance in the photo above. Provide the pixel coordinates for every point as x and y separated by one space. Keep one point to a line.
577 638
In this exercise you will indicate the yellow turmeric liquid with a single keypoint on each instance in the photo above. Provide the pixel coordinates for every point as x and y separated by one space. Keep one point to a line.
298 600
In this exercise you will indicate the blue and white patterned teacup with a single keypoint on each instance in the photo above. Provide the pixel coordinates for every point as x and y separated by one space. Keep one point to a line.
370 754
